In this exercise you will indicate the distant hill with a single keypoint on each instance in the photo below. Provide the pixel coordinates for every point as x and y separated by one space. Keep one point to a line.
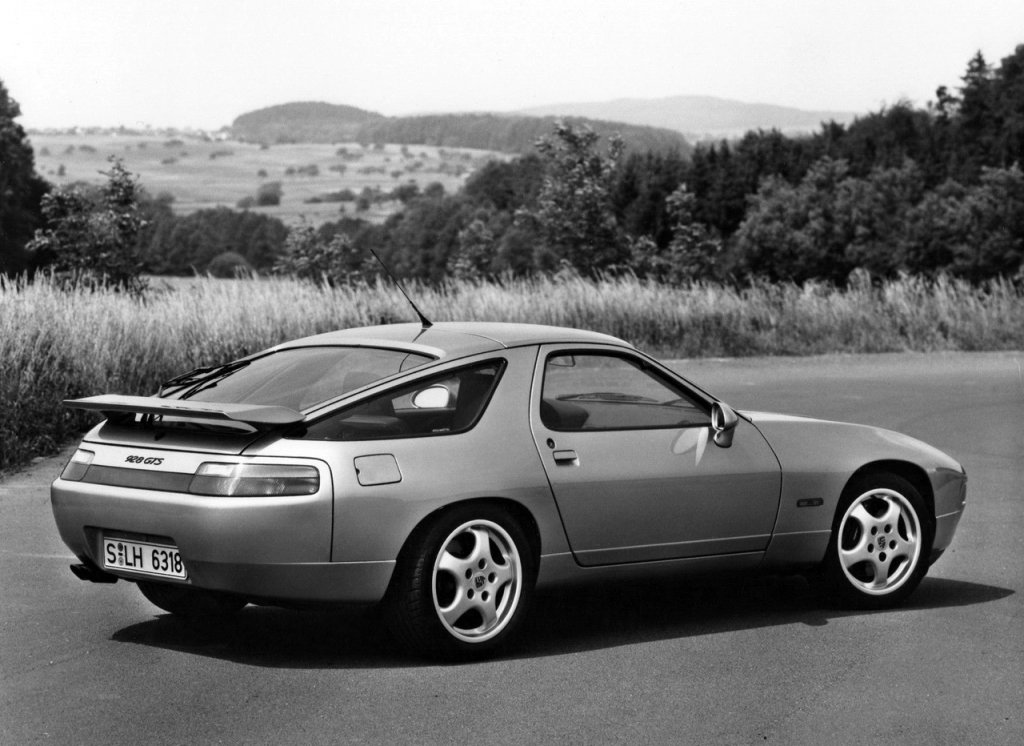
505 133
328 123
698 116
303 121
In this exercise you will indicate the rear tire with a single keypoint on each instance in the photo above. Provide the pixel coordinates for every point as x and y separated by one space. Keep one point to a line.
881 540
463 585
190 602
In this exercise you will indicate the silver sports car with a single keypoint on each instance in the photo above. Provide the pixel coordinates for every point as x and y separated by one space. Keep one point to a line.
447 471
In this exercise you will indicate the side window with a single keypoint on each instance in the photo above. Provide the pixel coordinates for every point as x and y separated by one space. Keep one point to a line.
594 391
448 403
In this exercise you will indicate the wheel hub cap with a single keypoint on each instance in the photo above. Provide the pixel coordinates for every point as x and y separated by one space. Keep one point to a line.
477 581
879 541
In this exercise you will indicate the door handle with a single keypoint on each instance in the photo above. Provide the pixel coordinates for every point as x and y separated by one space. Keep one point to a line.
565 457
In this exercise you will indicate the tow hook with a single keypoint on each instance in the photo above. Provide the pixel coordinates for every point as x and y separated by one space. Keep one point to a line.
92 573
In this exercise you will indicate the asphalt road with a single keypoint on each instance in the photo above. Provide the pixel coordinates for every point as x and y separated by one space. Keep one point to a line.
728 662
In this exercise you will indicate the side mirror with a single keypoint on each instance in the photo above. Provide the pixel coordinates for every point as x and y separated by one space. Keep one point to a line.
432 397
723 422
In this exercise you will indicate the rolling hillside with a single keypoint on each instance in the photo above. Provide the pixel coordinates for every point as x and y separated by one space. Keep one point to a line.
697 116
303 121
316 122
505 133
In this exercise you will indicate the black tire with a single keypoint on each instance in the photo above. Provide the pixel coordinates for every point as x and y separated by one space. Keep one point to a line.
182 600
881 539
462 584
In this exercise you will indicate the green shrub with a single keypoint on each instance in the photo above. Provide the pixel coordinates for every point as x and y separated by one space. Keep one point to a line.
229 264
269 194
343 195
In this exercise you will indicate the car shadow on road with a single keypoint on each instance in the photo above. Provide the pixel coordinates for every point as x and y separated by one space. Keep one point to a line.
580 620
561 622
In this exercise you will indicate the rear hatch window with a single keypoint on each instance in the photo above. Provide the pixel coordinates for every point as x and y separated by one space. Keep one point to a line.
301 378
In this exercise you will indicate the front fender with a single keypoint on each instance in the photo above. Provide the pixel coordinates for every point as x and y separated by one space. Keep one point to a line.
818 459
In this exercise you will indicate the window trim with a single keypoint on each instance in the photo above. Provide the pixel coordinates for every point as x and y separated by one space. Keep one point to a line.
421 380
645 365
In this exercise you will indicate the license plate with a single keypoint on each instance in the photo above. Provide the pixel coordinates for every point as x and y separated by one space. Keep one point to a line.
140 556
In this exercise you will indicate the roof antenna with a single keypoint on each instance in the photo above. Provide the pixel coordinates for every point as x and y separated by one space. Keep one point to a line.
423 319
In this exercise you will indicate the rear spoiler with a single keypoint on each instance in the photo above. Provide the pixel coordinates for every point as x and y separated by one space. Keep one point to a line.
260 416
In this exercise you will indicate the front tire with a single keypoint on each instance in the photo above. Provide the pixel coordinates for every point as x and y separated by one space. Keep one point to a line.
190 602
463 585
881 539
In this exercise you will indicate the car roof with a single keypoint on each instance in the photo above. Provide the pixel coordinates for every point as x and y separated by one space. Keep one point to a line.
451 339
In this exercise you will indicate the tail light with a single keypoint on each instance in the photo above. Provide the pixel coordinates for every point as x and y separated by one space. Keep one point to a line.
77 466
254 480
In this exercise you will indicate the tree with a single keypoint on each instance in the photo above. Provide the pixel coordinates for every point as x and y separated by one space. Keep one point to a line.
420 240
790 232
643 183
405 193
229 264
21 189
887 138
269 194
476 249
91 236
365 199
506 185
974 232
573 214
974 123
309 256
186 244
691 254
1009 104
870 215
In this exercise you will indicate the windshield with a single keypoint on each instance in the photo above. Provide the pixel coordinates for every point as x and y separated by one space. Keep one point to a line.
301 378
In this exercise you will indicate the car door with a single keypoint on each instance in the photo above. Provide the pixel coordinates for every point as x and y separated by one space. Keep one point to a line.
630 454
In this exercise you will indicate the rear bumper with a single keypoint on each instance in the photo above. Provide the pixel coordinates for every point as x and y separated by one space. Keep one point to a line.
332 582
266 548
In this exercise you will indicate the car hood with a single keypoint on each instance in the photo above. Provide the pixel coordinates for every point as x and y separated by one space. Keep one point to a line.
806 442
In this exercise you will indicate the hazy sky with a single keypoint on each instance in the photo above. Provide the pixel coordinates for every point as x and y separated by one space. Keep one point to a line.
203 62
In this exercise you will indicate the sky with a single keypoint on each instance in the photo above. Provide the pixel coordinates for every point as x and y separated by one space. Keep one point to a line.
201 63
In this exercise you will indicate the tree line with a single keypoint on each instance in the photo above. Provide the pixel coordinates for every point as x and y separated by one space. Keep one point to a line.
928 190
504 132
921 190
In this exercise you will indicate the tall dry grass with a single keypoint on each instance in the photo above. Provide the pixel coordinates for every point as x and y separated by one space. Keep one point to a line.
56 344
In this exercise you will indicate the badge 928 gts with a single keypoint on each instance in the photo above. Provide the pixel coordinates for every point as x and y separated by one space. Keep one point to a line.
151 461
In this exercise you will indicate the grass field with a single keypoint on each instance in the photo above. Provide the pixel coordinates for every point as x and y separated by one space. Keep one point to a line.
56 345
204 173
